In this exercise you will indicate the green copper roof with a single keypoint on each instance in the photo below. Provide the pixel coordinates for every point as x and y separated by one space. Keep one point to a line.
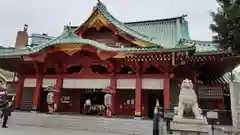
204 47
166 32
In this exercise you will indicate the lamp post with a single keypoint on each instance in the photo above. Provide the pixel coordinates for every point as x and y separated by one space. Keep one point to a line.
212 117
157 117
168 118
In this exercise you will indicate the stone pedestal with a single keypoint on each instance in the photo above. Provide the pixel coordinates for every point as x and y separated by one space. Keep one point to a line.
182 126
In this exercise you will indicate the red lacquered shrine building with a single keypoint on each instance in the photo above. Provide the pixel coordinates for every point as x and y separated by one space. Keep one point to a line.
138 62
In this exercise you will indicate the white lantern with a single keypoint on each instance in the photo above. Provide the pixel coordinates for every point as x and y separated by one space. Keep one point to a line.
107 99
50 97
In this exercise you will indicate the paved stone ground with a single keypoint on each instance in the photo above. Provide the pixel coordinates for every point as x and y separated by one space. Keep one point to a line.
30 130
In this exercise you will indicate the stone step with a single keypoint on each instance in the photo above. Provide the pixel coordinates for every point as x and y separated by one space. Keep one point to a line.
99 127
73 117
102 120
89 121
84 125
100 124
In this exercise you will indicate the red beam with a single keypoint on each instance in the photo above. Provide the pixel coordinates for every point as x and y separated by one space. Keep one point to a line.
157 76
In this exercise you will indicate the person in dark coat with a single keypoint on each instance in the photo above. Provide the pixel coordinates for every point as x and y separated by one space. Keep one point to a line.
6 114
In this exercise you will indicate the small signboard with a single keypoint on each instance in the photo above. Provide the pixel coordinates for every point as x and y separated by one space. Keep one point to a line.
210 92
92 90
65 99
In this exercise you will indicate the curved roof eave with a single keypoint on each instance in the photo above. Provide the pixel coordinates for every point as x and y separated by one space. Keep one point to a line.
100 46
205 47
104 47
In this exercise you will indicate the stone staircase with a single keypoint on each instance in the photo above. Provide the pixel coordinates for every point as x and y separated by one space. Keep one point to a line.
90 123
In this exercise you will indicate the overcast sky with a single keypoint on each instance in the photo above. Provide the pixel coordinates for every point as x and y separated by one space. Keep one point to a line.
49 16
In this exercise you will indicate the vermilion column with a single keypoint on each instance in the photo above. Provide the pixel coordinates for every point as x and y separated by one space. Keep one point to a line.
167 93
58 92
113 84
37 92
138 97
19 91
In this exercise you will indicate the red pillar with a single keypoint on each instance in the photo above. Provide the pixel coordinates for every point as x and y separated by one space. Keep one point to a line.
113 84
19 91
167 93
37 92
138 97
57 99
59 83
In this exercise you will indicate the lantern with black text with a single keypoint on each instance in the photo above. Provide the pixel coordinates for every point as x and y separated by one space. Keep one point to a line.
108 104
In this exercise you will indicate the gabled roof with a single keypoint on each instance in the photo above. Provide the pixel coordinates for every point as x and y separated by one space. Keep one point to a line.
164 33
101 8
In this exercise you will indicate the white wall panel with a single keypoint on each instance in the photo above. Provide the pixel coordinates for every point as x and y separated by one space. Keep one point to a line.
86 83
152 84
30 82
48 82
126 84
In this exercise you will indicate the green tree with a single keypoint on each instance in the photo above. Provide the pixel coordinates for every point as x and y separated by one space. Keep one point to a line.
227 24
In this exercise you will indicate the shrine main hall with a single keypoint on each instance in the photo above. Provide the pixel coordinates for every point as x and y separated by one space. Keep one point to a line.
136 62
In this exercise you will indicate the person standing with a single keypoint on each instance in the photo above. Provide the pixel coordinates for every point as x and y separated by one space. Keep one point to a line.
87 106
6 114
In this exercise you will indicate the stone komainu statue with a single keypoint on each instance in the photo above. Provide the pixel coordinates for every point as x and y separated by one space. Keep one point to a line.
188 101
